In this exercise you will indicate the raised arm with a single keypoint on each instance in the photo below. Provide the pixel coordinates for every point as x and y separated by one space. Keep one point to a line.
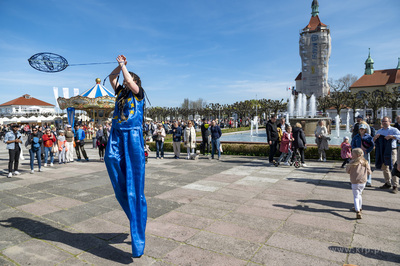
128 79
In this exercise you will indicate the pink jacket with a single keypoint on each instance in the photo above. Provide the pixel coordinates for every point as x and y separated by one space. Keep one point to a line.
346 150
286 144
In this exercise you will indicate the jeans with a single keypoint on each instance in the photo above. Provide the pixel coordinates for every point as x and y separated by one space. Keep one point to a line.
46 154
368 158
38 157
13 158
160 148
215 143
288 156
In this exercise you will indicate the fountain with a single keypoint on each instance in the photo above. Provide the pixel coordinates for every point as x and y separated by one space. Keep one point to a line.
337 127
348 121
298 114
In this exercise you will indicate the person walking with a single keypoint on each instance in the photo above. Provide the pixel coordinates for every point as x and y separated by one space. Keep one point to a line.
62 147
158 136
124 156
359 169
345 151
176 139
205 135
13 139
215 142
272 137
286 146
299 143
48 141
189 137
35 140
364 141
321 138
69 136
101 141
80 142
386 138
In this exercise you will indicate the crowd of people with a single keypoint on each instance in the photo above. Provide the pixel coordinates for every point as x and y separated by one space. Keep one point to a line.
44 142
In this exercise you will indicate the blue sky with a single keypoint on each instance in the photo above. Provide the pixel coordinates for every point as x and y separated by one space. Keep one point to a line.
218 50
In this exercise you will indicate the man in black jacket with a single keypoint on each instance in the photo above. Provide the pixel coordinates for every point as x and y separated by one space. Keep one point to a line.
272 137
205 134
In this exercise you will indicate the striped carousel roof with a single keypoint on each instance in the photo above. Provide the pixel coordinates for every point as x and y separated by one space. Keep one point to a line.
97 91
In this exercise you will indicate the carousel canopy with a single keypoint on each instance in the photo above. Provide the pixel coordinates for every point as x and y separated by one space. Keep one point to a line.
97 91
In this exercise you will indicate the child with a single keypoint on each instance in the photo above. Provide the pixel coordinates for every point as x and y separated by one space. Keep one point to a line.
346 151
62 147
286 145
359 169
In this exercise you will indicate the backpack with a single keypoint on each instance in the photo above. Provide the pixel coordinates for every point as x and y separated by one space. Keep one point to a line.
35 143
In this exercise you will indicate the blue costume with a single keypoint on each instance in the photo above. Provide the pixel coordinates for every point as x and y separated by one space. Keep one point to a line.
125 162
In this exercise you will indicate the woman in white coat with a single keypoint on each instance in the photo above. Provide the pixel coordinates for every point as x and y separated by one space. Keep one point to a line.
189 138
321 138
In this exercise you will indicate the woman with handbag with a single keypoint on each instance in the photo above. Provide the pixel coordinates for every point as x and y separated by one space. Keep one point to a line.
48 140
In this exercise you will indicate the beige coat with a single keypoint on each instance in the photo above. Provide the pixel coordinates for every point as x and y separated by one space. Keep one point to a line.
358 173
322 142
190 134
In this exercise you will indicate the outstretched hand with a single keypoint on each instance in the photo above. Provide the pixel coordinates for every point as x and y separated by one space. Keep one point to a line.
121 60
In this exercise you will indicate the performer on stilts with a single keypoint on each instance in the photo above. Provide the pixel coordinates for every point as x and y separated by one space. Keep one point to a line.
124 156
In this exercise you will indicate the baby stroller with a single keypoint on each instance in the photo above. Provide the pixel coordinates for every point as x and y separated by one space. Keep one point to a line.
294 160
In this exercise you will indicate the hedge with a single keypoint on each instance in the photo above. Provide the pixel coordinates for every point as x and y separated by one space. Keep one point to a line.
250 149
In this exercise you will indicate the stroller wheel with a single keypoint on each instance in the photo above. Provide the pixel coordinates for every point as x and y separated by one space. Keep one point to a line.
297 164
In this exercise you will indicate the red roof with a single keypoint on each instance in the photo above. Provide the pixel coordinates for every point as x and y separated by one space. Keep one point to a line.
314 24
378 78
298 76
26 100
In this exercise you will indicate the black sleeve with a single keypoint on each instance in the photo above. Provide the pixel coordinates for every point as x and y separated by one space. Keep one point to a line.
140 94
118 89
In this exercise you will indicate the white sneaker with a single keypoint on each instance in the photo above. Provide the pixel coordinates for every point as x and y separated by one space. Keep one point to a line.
17 173
45 165
32 171
286 163
324 160
9 174
51 164
40 170
304 165
162 158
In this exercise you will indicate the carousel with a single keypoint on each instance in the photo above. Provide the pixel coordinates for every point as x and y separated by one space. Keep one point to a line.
98 102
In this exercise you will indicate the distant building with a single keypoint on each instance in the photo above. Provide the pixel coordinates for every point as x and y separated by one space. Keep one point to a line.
315 50
384 80
26 105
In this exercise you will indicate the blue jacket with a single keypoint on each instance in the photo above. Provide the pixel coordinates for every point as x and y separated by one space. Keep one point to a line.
177 135
80 134
367 142
11 136
216 132
383 152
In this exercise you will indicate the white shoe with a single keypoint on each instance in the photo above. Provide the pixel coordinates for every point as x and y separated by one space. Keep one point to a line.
51 164
324 160
45 165
304 165
157 158
17 173
40 170
32 171
162 158
286 163
9 174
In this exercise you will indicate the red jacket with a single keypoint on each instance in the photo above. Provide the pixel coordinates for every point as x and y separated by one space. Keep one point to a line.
286 142
47 141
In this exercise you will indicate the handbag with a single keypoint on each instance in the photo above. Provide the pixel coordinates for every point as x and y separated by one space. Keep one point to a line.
220 148
54 149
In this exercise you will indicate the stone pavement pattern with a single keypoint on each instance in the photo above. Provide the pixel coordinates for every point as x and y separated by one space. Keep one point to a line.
238 211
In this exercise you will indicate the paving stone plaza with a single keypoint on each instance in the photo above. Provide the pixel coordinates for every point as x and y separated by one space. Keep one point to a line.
238 211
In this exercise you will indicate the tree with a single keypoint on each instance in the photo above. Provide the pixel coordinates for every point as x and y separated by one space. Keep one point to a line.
342 84
338 100
393 99
323 103
374 101
354 102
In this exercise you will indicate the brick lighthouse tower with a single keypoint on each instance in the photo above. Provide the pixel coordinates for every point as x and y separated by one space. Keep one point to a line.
315 50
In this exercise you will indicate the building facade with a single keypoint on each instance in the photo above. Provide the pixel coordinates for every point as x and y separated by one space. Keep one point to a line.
315 50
